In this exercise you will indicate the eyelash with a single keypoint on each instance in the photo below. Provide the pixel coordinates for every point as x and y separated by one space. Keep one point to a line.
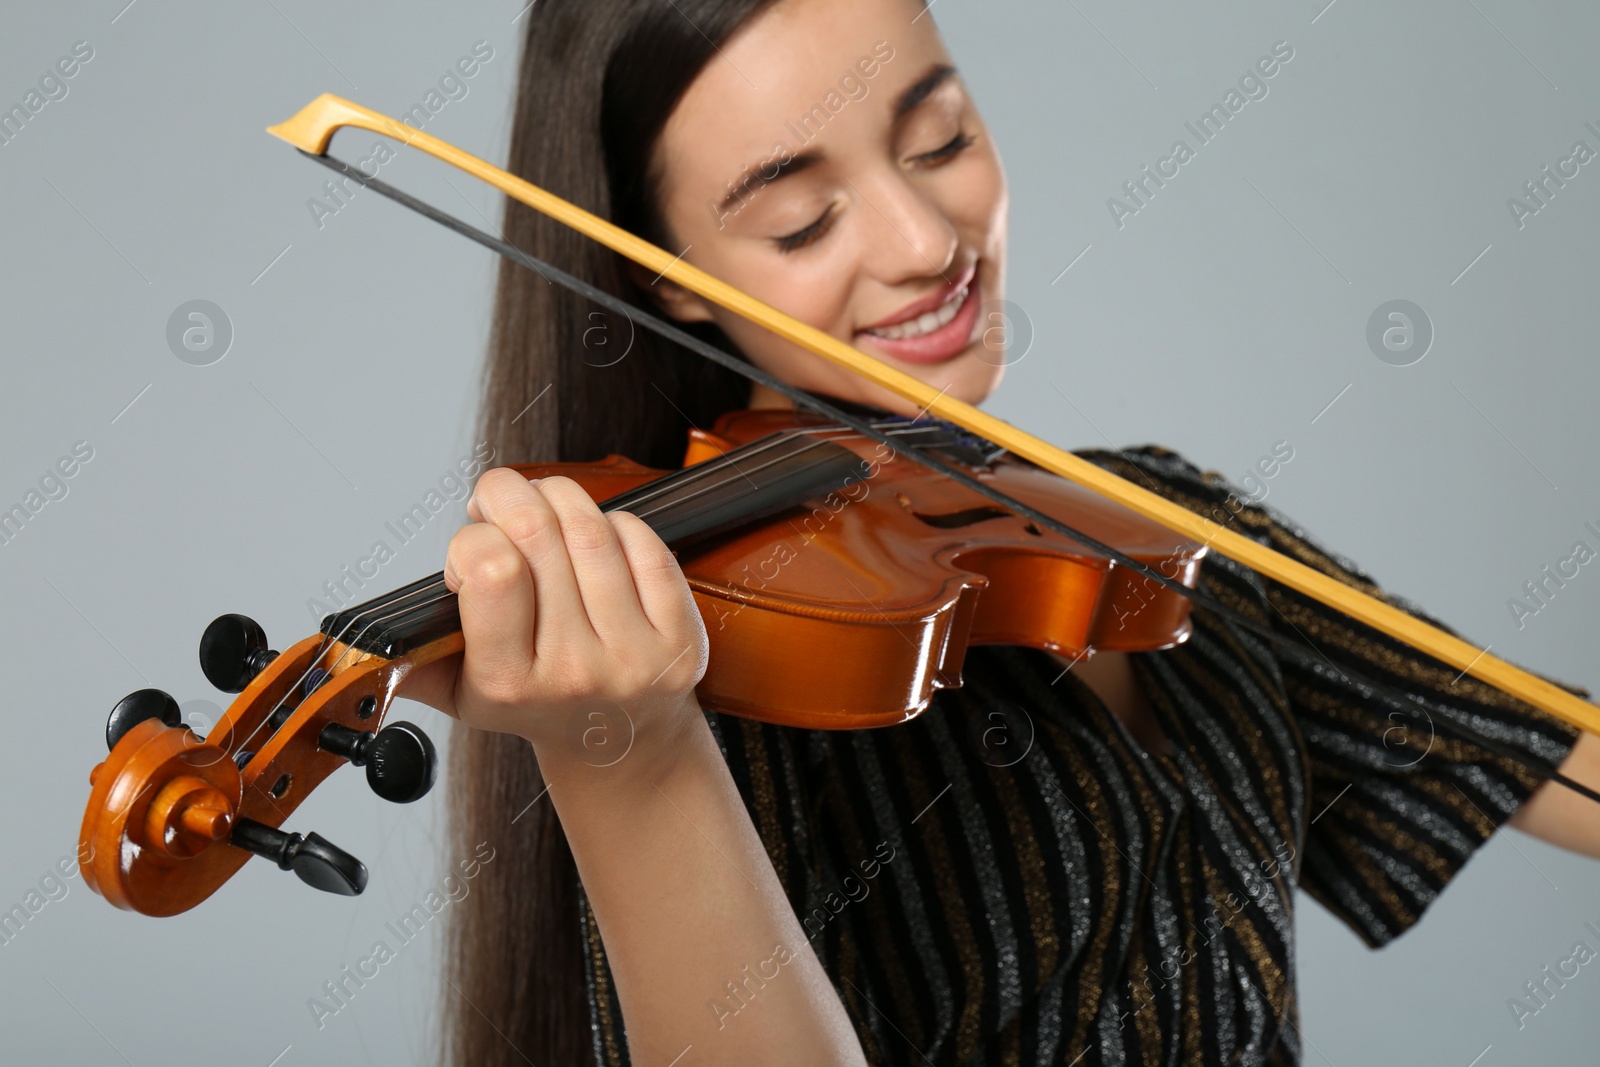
800 238
958 144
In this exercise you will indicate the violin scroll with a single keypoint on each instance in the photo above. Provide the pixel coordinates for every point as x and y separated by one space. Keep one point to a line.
173 815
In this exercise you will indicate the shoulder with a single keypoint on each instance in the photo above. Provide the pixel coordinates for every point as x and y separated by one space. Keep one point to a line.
1163 470
1215 496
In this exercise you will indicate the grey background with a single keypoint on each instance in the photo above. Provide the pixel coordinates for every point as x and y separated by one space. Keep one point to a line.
1224 317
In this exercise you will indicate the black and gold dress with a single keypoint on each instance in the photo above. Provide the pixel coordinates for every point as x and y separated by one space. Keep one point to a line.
1011 879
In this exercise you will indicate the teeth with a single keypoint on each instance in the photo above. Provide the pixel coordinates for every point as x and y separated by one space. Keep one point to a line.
928 321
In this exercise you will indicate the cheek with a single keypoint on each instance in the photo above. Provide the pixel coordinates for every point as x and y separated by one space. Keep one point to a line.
776 356
977 202
797 366
814 289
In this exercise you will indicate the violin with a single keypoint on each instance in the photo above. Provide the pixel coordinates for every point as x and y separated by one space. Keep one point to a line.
803 543
881 549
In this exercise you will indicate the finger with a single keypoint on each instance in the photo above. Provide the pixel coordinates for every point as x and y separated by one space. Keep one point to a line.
495 593
433 684
657 578
473 511
605 581
522 512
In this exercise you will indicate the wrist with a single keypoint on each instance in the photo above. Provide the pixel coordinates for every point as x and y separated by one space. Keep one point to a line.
616 752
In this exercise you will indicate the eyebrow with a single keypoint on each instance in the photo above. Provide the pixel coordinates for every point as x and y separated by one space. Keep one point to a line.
801 162
908 101
922 89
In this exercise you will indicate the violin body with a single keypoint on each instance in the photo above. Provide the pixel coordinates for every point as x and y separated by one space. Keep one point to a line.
846 611
852 611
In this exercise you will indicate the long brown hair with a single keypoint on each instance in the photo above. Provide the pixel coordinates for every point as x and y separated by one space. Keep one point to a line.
598 80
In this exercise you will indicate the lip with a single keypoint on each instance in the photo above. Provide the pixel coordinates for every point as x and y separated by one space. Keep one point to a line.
927 303
943 344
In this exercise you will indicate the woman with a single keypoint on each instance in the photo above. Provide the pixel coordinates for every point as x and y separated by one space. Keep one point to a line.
1116 887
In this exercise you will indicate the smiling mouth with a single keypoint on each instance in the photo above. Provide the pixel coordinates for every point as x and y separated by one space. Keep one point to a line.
926 323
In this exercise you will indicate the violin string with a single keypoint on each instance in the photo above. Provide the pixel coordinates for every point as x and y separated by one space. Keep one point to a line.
731 480
327 640
371 619
672 482
244 744
410 605
833 412
787 435
753 449
824 435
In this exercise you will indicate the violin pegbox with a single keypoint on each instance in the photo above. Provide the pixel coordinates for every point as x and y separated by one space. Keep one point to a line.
171 815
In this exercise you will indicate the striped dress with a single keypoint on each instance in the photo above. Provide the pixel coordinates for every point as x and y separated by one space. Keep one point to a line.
1011 879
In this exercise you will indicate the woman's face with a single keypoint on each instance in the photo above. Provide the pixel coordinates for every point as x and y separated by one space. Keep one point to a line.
830 163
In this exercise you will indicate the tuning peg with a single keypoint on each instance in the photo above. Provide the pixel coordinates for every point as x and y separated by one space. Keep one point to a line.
233 650
400 760
135 708
318 862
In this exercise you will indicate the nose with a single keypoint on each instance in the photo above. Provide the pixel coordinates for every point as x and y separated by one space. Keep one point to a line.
908 234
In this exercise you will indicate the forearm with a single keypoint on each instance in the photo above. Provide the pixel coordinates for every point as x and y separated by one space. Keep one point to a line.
1560 816
702 943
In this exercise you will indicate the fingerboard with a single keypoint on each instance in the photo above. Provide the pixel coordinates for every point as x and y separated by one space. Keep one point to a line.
760 479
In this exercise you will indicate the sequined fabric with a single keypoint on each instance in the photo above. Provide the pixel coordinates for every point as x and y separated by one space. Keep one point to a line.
1012 879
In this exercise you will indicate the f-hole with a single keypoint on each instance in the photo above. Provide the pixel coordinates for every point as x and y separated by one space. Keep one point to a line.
955 520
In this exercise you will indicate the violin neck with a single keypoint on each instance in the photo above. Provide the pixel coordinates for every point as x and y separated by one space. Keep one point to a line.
748 483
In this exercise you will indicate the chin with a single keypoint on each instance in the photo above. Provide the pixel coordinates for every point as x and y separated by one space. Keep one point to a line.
970 377
981 379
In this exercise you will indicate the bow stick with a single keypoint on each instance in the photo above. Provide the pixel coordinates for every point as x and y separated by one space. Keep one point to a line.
312 128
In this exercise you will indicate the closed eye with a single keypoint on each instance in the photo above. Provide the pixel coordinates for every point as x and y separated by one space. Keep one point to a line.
957 144
800 238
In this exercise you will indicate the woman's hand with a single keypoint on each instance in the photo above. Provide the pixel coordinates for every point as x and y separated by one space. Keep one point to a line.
581 634
573 621
1561 816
